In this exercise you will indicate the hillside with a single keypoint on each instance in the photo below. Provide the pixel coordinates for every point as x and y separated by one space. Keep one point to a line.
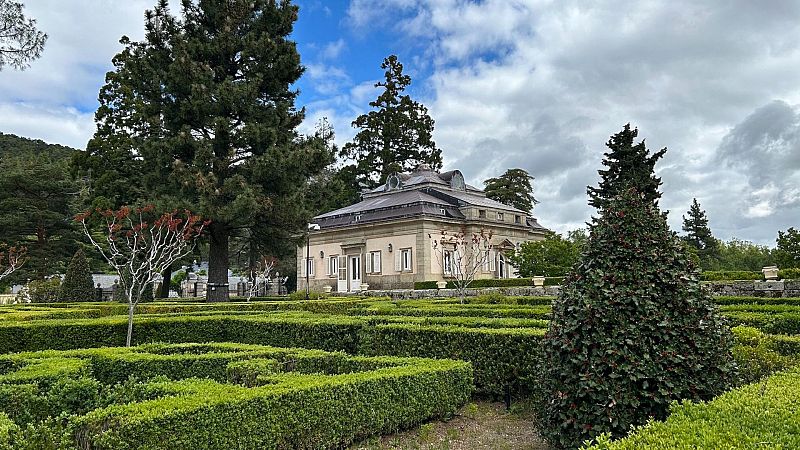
13 145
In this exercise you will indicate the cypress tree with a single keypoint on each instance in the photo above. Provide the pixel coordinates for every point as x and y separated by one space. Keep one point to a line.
632 329
77 285
698 235
513 188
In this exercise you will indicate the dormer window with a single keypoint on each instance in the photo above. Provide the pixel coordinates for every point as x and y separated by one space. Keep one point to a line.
357 218
393 182
500 216
457 182
517 219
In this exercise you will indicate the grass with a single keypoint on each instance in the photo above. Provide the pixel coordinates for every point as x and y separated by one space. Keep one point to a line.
477 425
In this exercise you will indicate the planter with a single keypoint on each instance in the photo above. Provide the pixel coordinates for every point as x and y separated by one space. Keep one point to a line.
441 284
363 287
770 272
327 289
538 281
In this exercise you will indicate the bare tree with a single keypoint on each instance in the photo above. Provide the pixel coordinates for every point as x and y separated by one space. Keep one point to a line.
139 245
11 259
20 41
259 275
461 256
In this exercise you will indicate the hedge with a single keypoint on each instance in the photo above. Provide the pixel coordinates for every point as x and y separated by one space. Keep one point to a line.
503 359
730 275
7 429
759 415
300 398
491 282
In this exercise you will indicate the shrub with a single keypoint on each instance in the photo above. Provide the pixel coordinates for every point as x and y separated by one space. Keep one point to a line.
41 291
77 285
730 275
301 295
631 332
492 282
7 429
789 274
759 415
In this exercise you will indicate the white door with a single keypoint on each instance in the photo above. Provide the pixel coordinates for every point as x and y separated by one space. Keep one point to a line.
502 266
341 279
355 273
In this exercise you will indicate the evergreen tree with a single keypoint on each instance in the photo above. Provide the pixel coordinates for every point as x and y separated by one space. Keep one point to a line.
77 285
397 135
629 165
20 41
787 252
632 329
699 237
201 114
513 188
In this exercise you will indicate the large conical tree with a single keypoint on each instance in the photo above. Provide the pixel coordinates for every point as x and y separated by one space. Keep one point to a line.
397 135
513 188
77 285
699 237
628 164
632 329
201 114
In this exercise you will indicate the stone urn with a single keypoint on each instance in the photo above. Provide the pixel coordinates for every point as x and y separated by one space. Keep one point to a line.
770 272
327 289
363 287
441 284
538 281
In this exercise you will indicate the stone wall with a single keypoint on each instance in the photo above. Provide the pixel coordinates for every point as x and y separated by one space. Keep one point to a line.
775 289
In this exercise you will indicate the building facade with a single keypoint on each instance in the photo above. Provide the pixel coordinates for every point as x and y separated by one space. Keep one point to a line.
386 240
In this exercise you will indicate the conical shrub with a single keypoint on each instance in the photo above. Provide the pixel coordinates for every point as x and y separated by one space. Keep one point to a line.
631 331
77 285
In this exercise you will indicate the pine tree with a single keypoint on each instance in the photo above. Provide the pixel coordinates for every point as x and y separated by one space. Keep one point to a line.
513 188
699 237
632 329
628 165
200 114
397 135
77 285
20 41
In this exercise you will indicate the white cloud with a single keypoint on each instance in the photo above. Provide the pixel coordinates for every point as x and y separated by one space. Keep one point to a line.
332 50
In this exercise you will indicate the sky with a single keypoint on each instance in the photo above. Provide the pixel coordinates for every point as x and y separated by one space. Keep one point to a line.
534 84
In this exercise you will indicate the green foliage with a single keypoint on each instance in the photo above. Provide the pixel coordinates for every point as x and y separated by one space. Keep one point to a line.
757 355
737 254
788 249
42 291
513 188
396 136
552 257
789 274
312 295
491 282
730 275
21 41
759 415
629 166
699 237
148 397
77 285
631 331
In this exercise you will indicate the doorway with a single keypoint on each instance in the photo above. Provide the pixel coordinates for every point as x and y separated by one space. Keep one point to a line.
355 273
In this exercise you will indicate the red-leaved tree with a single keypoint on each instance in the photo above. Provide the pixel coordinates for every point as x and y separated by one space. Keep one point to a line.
11 259
139 244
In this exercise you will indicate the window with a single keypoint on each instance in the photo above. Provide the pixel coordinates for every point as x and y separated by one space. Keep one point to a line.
500 216
357 218
310 267
486 261
405 260
517 219
374 262
482 213
333 265
441 210
447 262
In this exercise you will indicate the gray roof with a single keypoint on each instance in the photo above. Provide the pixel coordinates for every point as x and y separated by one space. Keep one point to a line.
398 198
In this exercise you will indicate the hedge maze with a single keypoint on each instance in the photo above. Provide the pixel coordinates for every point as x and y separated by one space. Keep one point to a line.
326 373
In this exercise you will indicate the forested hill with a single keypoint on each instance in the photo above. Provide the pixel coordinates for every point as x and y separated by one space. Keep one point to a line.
12 145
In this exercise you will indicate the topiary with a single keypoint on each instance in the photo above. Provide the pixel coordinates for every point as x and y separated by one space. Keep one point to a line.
631 331
77 285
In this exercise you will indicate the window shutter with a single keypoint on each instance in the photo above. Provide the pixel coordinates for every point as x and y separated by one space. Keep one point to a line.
410 261
398 261
311 264
492 261
377 262
303 264
328 267
369 263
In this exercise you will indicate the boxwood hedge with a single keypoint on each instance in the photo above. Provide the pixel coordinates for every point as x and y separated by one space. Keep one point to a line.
759 415
292 398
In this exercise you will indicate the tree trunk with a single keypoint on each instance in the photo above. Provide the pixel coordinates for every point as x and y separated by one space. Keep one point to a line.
166 281
217 289
130 325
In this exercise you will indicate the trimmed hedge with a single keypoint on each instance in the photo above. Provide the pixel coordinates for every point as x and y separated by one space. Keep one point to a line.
300 398
759 415
730 275
491 282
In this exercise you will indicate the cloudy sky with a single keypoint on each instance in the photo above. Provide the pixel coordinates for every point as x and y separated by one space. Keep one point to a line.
514 83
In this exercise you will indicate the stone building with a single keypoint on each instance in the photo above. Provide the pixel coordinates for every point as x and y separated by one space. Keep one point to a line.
384 240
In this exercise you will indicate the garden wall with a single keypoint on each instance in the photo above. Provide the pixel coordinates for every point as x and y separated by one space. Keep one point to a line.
772 289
